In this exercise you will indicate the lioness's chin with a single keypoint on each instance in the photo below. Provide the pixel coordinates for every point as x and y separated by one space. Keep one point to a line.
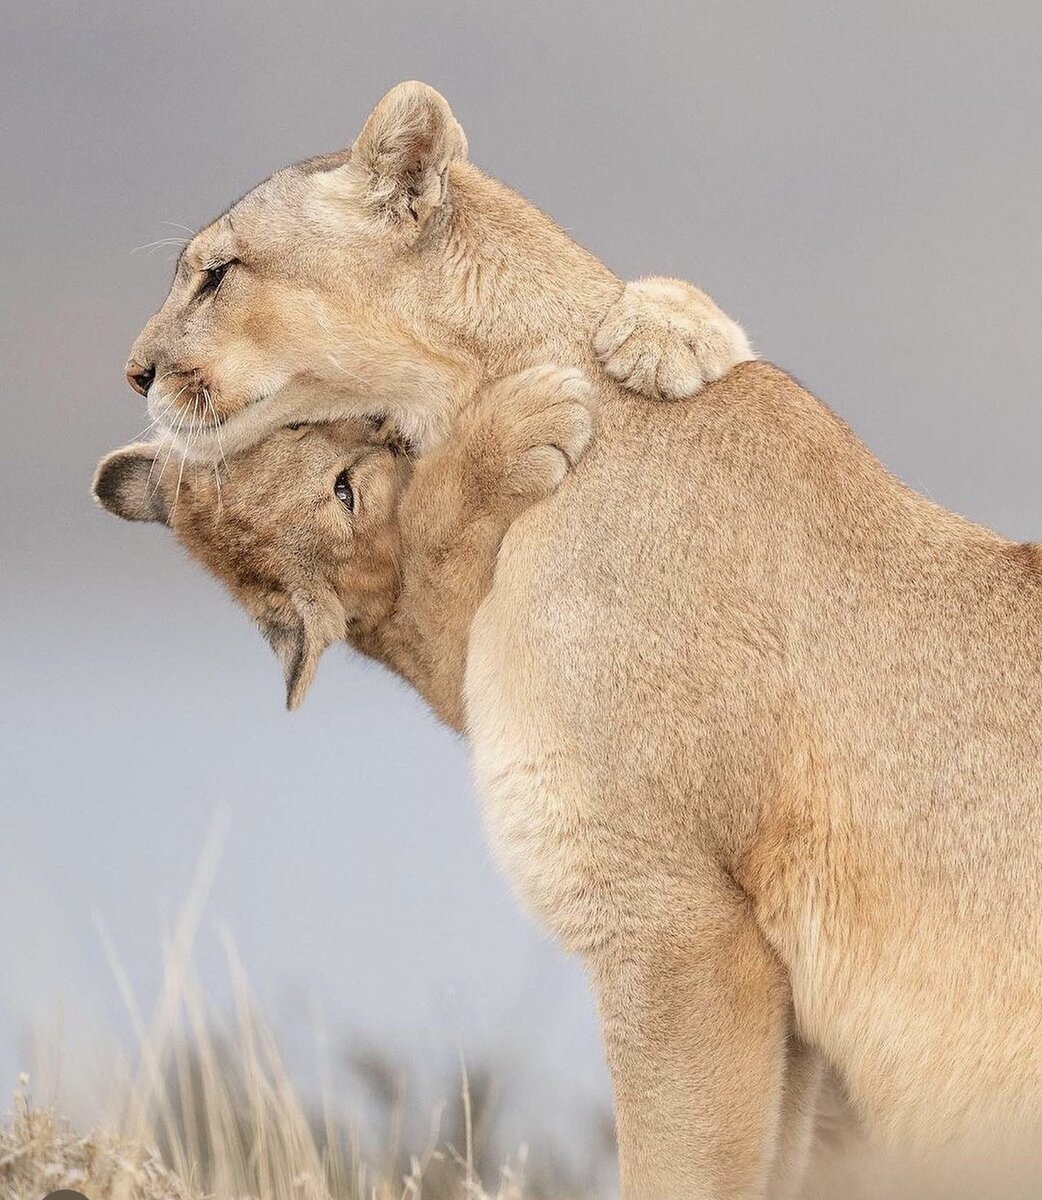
300 401
231 435
294 402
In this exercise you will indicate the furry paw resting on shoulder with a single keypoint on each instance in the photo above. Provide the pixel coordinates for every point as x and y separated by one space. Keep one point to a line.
528 430
666 339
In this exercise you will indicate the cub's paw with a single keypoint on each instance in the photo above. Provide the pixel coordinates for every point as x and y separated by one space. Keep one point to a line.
540 422
666 340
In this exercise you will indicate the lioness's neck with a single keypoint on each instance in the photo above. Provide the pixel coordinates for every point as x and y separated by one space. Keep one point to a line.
516 289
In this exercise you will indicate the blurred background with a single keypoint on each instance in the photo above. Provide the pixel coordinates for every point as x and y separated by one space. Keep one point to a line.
858 184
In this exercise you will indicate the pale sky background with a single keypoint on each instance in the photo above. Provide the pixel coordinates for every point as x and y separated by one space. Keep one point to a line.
858 183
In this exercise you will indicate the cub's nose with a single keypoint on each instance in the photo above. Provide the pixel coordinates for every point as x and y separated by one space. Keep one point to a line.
140 378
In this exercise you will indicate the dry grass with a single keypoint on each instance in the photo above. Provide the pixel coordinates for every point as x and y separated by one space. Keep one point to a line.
227 1123
208 1115
40 1154
208 1110
213 1114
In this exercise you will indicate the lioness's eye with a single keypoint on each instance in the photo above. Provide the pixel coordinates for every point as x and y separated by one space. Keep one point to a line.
343 491
212 277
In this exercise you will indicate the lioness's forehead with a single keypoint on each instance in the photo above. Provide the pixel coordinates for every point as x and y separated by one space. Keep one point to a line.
270 212
211 244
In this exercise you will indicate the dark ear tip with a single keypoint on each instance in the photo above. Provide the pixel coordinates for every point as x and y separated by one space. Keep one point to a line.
121 484
297 686
105 484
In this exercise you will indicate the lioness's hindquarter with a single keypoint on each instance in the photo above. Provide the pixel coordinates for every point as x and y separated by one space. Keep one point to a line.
900 876
734 641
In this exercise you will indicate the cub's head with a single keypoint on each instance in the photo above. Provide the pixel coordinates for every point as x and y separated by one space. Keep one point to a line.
301 299
301 528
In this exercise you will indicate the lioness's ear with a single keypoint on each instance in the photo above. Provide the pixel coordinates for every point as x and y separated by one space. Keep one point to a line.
298 641
123 484
404 150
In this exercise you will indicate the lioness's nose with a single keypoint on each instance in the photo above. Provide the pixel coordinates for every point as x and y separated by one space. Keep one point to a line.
140 378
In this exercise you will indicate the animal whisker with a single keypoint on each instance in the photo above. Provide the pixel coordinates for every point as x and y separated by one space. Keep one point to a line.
220 498
153 246
216 427
346 371
157 420
164 413
170 450
184 455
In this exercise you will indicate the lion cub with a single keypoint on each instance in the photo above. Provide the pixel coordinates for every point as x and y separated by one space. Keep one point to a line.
329 533
332 532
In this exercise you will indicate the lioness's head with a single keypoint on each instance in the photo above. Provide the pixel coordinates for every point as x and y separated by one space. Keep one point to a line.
294 290
365 281
302 529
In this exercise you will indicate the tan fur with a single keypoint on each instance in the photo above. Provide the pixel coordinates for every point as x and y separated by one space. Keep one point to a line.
401 573
757 730
667 339
326 309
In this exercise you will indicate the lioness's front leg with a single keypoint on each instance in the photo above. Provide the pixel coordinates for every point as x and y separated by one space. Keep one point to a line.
804 1078
666 339
695 1009
512 447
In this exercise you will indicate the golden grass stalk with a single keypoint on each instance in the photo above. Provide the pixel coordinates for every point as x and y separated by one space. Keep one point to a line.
210 1111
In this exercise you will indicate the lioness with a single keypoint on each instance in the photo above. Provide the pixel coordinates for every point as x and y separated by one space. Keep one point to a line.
758 731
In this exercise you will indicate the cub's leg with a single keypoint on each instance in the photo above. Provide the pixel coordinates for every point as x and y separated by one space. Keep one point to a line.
695 1011
666 340
512 447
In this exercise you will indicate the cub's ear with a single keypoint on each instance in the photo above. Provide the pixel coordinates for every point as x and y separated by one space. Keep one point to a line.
298 641
404 151
123 484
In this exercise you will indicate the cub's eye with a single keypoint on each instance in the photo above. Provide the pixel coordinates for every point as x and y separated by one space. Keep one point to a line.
343 491
212 277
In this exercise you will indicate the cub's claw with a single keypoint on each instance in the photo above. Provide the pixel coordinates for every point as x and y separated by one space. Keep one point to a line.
666 339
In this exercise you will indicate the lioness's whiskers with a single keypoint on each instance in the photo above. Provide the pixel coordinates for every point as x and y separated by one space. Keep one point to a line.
170 450
352 375
159 242
220 499
216 427
163 412
184 455
153 423
328 327
160 418
220 445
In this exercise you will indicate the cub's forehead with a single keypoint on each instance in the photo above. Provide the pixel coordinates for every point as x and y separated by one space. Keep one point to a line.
289 457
